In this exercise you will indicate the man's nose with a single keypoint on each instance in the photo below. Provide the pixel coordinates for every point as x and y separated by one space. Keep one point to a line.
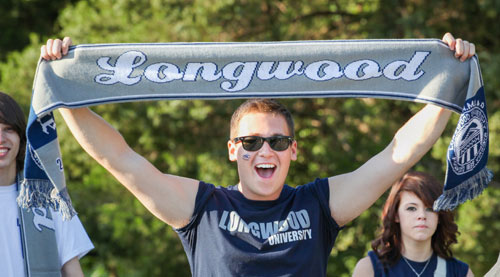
265 149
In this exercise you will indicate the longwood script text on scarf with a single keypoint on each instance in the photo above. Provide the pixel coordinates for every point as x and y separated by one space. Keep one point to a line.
237 76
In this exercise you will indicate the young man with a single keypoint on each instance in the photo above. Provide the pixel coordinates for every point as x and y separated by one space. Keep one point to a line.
259 227
72 240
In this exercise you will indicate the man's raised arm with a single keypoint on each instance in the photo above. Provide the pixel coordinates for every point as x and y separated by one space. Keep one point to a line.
170 198
354 192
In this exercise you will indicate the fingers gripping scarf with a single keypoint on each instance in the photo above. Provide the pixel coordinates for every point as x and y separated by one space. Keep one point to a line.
412 70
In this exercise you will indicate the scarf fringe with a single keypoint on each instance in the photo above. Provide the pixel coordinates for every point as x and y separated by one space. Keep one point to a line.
467 190
41 193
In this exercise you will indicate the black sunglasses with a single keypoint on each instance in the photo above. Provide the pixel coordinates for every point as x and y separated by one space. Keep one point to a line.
254 143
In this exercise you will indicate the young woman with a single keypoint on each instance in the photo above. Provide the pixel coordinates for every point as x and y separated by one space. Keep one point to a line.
415 240
72 242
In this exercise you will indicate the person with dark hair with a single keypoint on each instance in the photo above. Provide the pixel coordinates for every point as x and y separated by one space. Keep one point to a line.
259 226
415 240
61 243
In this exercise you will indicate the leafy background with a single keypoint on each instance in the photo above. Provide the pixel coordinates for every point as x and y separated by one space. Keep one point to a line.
189 137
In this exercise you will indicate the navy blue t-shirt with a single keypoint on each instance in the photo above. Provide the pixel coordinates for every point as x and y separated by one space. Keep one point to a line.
454 267
230 235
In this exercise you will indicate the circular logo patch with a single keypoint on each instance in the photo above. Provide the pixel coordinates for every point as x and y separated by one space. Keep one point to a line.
469 141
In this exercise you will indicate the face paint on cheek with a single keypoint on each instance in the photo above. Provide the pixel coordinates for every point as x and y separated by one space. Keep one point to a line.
246 157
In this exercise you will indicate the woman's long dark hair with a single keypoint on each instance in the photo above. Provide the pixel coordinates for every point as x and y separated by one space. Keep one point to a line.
388 245
11 114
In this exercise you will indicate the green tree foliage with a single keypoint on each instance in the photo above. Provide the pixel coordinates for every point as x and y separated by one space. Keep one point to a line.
20 18
188 138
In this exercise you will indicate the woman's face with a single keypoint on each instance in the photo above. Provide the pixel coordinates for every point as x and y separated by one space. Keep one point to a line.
9 147
417 222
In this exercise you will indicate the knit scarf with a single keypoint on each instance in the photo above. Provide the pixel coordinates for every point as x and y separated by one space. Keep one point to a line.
38 239
412 70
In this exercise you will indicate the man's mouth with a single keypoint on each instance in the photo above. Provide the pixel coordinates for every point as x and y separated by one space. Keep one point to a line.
265 170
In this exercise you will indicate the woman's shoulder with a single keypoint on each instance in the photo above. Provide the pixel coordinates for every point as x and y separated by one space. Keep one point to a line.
363 268
370 266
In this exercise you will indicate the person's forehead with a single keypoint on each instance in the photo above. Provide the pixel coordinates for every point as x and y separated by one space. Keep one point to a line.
409 197
263 122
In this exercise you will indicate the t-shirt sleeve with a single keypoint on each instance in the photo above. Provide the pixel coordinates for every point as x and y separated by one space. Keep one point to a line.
72 239
321 190
457 268
204 192
376 264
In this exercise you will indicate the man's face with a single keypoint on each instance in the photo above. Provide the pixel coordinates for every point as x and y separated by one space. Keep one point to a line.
9 147
262 172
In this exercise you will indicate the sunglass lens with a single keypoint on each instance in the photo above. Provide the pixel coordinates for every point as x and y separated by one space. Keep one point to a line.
252 143
279 143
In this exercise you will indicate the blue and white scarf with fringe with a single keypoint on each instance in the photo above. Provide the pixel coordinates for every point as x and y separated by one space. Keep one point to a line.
412 70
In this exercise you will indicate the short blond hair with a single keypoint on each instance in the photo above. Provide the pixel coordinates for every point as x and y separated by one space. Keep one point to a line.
262 105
